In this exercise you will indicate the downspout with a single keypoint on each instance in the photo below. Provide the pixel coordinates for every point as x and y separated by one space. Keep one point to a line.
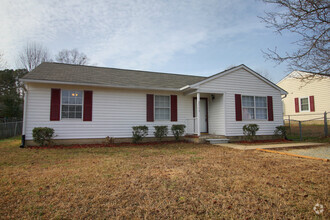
25 94
285 95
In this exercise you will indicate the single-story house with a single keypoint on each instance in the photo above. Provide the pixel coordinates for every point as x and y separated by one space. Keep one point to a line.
86 104
308 95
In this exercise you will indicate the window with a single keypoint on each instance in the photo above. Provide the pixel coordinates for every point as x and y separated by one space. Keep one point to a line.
71 104
261 107
254 107
304 104
248 107
162 107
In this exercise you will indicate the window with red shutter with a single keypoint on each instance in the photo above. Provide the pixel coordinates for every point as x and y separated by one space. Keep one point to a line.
55 104
150 107
88 105
270 108
174 108
312 103
296 104
238 107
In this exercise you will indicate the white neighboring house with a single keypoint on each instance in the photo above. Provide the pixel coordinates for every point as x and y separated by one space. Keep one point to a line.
86 104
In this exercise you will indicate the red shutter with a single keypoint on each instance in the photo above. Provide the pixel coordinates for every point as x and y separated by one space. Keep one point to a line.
150 107
55 104
312 104
174 108
296 104
270 108
88 105
238 107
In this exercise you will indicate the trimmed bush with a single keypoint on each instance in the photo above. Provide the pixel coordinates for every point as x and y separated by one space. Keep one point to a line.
250 131
160 132
43 135
178 131
280 131
139 132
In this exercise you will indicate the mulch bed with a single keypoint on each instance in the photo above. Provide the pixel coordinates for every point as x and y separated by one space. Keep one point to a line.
126 144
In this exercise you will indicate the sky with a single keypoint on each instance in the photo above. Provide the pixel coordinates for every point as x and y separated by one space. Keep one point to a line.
195 37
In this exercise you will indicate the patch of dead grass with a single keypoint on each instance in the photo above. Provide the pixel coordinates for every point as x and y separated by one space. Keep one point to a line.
165 181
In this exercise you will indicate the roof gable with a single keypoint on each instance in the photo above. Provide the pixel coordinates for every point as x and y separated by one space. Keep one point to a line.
301 75
233 69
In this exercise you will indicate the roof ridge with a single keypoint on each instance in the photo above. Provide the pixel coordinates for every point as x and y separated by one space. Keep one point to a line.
178 74
226 70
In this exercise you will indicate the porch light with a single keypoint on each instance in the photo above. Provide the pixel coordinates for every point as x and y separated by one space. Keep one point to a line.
213 97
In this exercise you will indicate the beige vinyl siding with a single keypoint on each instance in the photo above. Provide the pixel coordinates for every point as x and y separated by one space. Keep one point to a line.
319 87
245 83
115 111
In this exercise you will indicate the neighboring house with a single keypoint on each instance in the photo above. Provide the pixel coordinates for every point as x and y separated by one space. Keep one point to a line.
86 104
308 95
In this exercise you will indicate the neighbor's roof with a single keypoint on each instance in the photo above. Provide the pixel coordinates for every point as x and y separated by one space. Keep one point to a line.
101 76
301 75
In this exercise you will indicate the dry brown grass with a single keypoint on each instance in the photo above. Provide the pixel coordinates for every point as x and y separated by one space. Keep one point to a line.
165 181
308 130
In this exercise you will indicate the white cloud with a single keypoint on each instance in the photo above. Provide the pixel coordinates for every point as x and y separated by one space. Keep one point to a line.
129 34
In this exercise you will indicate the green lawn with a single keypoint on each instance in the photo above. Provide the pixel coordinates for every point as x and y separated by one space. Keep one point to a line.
164 181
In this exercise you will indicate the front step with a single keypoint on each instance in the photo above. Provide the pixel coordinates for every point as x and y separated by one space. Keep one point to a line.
217 141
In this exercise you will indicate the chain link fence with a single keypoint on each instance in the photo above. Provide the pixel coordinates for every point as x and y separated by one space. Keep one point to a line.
10 129
304 126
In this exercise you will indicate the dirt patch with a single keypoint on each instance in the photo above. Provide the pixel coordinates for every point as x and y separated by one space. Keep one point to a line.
264 141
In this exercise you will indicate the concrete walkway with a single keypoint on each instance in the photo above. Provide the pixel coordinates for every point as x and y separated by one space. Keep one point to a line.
271 146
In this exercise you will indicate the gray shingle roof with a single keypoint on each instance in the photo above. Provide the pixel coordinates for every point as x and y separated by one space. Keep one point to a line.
109 76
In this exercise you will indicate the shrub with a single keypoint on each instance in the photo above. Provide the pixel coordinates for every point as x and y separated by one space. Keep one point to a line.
250 131
160 132
280 131
43 135
109 140
139 132
178 131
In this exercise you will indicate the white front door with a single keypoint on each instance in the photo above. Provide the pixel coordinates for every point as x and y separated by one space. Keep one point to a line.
203 114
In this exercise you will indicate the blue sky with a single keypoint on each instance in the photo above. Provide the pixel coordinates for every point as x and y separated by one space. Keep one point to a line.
199 37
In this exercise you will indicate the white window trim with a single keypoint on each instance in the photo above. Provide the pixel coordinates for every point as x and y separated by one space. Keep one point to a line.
155 108
309 104
255 108
82 106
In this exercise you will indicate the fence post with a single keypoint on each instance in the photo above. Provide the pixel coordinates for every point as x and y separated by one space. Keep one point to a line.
300 130
15 129
325 124
289 124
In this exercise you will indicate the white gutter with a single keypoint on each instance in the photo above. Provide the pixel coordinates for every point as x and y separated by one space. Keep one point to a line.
25 94
185 87
98 85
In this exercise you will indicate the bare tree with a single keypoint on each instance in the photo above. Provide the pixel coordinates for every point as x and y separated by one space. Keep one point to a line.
310 20
72 57
265 73
32 55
